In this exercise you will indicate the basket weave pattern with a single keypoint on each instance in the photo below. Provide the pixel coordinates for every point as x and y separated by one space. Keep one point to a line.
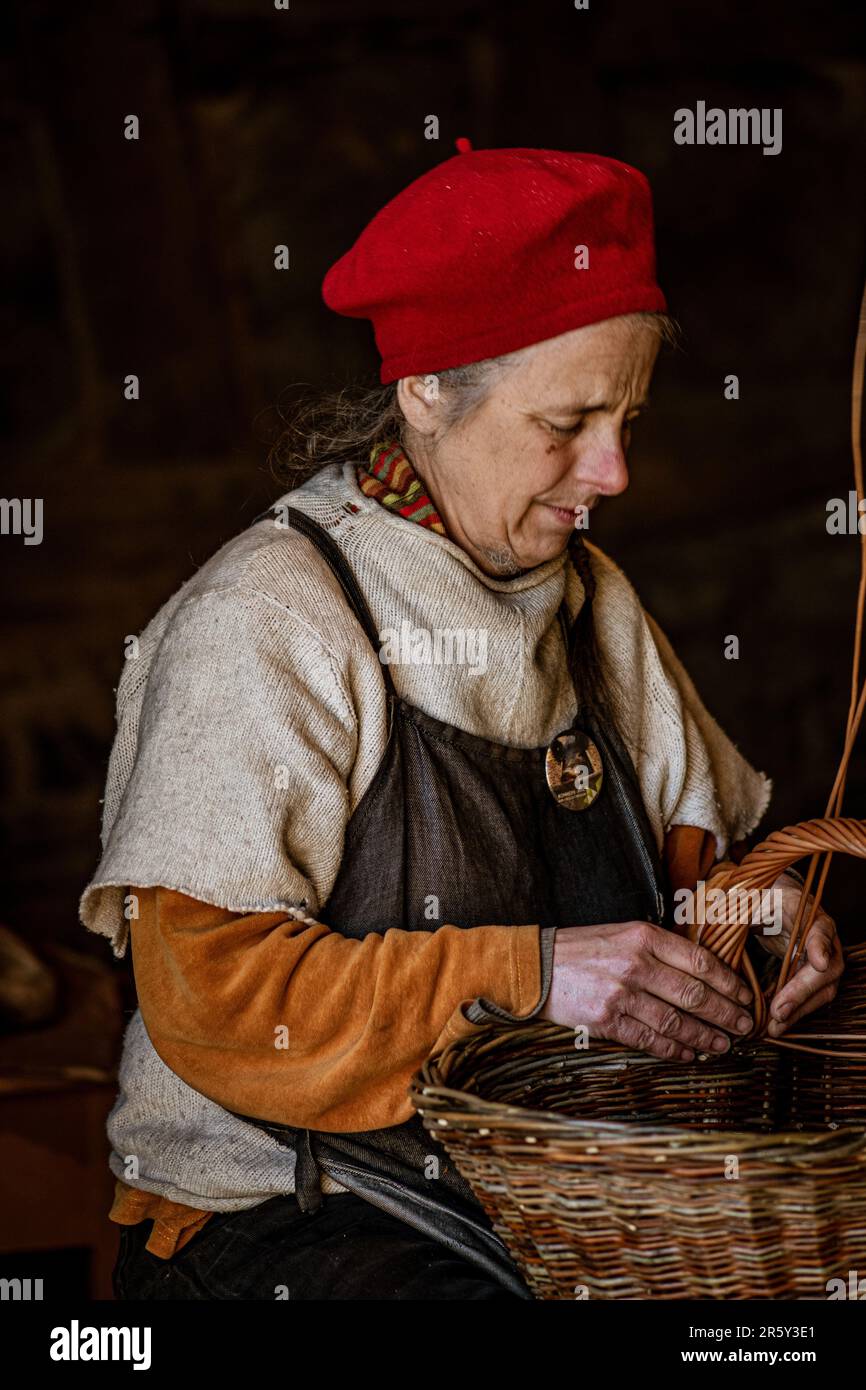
613 1175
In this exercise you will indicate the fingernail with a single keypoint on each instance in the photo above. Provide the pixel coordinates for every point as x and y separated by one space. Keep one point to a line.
783 1011
743 1025
744 996
688 1055
721 1044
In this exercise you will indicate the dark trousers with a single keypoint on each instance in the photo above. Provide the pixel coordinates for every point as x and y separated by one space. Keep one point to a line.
346 1249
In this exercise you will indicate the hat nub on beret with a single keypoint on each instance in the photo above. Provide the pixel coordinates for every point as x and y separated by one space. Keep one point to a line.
481 256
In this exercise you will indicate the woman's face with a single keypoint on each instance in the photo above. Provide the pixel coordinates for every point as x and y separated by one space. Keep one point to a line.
551 436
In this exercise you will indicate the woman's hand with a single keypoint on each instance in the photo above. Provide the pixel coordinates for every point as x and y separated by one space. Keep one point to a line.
816 976
648 988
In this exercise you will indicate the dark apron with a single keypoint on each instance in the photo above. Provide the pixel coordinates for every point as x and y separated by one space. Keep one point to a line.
473 823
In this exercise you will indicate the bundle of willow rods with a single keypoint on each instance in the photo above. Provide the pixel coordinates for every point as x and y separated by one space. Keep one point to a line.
727 934
743 886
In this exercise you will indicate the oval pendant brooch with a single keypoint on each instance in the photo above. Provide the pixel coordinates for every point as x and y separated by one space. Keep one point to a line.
573 769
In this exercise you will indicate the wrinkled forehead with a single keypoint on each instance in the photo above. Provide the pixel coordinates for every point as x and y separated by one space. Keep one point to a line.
596 366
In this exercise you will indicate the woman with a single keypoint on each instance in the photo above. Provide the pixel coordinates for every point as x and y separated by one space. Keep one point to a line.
337 851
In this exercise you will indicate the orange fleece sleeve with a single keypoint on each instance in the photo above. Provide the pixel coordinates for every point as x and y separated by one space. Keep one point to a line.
286 1020
690 853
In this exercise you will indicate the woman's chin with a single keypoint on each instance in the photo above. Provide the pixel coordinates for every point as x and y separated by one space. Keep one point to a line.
549 538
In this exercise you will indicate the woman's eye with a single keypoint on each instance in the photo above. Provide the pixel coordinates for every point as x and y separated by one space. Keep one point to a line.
564 431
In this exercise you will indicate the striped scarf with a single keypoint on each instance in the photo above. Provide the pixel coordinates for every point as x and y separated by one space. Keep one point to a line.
391 480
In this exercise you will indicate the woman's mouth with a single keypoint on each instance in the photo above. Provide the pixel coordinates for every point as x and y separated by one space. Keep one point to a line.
566 516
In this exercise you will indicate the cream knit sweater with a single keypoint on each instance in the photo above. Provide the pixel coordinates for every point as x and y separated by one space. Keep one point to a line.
253 716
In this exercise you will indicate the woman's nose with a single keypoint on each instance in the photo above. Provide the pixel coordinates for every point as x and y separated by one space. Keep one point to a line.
605 467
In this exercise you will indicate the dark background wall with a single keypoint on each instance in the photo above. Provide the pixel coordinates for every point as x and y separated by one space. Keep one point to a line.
261 127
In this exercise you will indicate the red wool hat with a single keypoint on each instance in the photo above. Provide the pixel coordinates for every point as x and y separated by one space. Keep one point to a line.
481 255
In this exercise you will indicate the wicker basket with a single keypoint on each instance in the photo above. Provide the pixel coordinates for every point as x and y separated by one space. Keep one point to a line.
612 1175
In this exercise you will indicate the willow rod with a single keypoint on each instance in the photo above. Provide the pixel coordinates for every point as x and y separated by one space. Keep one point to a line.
855 709
759 869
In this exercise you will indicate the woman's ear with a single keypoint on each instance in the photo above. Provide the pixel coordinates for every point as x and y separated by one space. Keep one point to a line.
418 398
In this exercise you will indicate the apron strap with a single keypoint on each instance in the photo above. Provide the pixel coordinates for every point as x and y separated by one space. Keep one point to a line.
565 625
339 565
308 1186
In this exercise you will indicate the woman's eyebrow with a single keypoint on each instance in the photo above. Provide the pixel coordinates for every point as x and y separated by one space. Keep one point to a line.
571 409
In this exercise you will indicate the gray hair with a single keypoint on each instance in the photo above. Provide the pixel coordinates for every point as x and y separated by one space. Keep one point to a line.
333 426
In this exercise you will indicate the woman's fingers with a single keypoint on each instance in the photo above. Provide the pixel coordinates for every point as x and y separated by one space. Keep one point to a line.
692 959
694 996
811 977
670 1023
690 977
815 1001
820 943
674 996
673 989
632 1032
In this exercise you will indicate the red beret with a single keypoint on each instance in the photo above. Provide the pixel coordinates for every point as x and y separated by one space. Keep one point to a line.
477 257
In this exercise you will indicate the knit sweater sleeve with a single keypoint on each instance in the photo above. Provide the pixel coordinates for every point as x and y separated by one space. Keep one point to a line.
716 787
245 760
691 773
276 1016
249 759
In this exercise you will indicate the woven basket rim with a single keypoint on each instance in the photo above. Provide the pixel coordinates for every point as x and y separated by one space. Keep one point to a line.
468 1110
441 1105
495 1044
